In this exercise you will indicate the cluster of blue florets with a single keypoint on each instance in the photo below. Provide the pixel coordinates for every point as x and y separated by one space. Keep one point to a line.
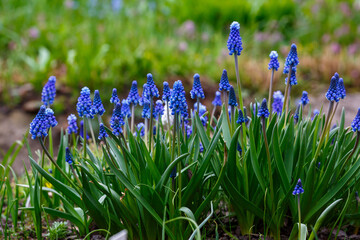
178 101
232 97
102 132
158 109
234 43
274 62
356 122
293 80
278 102
298 188
304 98
84 104
49 92
133 97
224 84
114 97
166 92
68 156
263 110
217 99
292 60
97 107
197 91
125 109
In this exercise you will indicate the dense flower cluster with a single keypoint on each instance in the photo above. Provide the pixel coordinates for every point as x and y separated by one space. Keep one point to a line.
298 188
341 89
333 93
68 156
274 62
51 118
72 125
146 113
133 97
202 111
356 122
117 114
158 109
304 98
278 102
141 128
83 105
224 84
102 132
152 90
263 110
114 97
197 91
241 119
232 97
49 91
125 109
293 80
178 101
97 107
40 125
166 92
217 99
292 59
234 43
116 126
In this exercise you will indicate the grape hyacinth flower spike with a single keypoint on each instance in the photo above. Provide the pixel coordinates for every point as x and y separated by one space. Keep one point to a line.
125 109
133 100
292 60
273 66
277 105
241 119
224 85
97 107
304 98
150 94
166 99
72 124
40 125
355 125
232 97
141 128
297 191
263 110
159 110
49 92
51 118
68 156
114 97
84 104
197 91
296 114
117 114
234 43
102 132
341 89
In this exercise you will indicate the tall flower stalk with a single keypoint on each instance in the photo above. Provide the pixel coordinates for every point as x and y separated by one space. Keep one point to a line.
224 87
216 103
297 191
232 104
151 92
133 99
197 92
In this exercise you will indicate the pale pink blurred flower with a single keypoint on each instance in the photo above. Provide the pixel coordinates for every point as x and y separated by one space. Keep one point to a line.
33 32
335 48
205 37
345 9
315 8
326 38
353 48
343 30
69 4
187 29
183 46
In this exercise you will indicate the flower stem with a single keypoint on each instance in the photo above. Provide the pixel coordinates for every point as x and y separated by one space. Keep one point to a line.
151 124
212 115
331 106
93 137
75 175
270 93
299 213
84 137
168 119
132 117
263 121
285 105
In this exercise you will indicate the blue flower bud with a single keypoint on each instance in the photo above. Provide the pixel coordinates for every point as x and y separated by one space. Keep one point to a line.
239 149
97 107
292 59
72 125
178 101
356 122
146 113
217 99
274 62
68 156
153 91
197 91
40 125
232 97
298 188
83 105
224 84
278 102
114 97
166 92
49 92
333 94
234 43
102 132
315 113
263 110
133 97
304 99
241 119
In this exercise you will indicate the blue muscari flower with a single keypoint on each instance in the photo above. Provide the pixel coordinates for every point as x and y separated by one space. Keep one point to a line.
158 109
116 126
102 132
68 156
274 62
333 94
278 102
133 97
197 91
97 107
201 147
298 188
356 122
296 114
202 111
292 59
341 89
217 99
50 171
293 80
304 99
318 165
125 109
114 97
51 118
188 130
178 101
39 126
146 113
141 127
224 84
241 119
72 125
232 97
239 148
83 105
263 110
229 112
49 91
117 114
173 173
82 130
316 112
166 92
153 91
245 116
234 43
145 95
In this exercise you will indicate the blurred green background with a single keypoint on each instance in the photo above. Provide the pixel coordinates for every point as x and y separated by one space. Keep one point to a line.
108 43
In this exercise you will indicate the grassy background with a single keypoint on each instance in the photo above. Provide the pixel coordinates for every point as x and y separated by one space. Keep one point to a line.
106 44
